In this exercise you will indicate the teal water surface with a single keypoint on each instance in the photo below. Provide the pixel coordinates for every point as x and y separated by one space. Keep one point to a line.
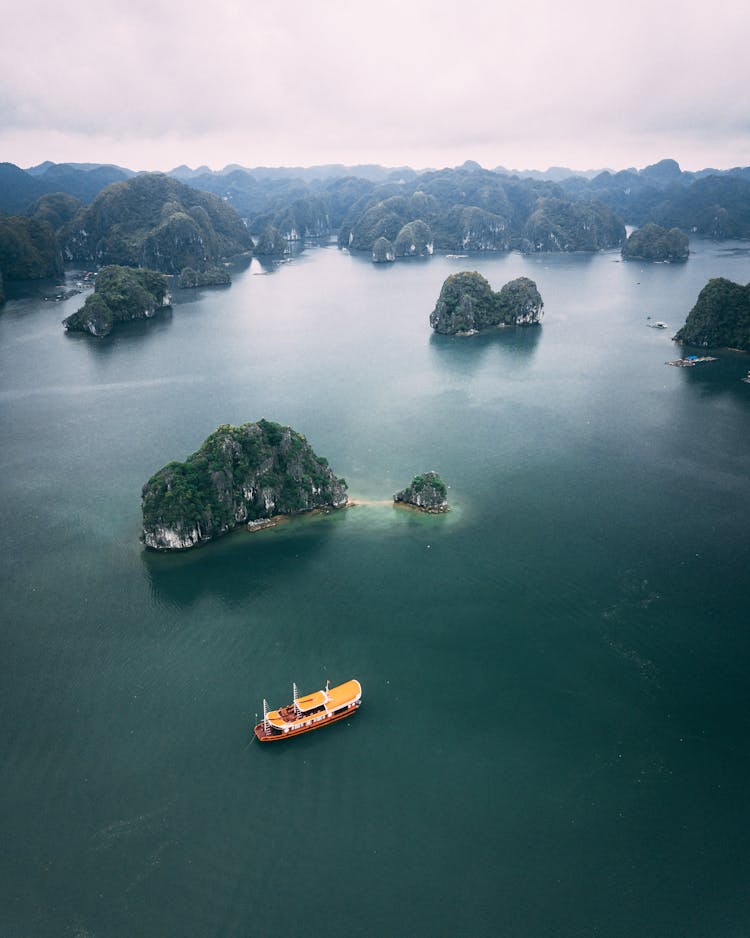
554 735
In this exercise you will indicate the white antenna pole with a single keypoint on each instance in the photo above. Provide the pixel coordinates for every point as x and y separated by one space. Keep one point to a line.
295 695
266 724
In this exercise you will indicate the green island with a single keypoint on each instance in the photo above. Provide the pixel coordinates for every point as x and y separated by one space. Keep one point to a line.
654 243
157 222
240 475
427 492
720 317
120 294
468 304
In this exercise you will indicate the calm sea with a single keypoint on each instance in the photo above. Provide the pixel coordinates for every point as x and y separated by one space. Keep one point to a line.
554 739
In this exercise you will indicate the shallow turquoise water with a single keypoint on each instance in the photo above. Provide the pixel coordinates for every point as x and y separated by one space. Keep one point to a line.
554 734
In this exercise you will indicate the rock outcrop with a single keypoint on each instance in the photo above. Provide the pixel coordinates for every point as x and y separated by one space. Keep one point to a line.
120 294
382 252
561 225
654 243
720 317
427 492
154 221
240 475
467 304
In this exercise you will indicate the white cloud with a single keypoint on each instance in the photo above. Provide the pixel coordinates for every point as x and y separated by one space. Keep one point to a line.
158 83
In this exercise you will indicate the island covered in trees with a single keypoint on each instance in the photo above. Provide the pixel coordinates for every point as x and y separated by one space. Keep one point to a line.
720 317
120 294
468 304
427 492
240 475
654 243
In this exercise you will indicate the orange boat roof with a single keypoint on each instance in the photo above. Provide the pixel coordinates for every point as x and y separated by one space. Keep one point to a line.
332 698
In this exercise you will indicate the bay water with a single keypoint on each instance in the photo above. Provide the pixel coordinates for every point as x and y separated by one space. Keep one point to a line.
554 733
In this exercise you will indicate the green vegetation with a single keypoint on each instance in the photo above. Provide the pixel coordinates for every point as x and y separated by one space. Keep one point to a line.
28 249
720 317
239 474
467 304
427 491
120 294
654 243
271 243
210 277
560 225
474 209
414 239
383 252
57 208
156 222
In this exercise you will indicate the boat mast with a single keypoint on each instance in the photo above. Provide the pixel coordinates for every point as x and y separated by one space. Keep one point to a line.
266 724
295 695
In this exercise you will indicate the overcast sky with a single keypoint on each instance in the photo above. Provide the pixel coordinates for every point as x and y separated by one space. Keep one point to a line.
151 84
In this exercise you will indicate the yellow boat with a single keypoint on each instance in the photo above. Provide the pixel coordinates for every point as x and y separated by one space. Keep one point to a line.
310 712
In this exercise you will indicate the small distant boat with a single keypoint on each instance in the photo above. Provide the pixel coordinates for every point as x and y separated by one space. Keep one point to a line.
658 324
310 712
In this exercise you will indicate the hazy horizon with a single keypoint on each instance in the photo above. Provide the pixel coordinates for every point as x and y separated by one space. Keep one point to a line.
294 165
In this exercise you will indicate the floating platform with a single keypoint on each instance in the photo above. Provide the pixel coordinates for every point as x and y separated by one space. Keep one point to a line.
691 360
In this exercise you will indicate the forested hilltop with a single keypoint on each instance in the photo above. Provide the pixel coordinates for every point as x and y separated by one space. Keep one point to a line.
149 221
239 475
154 221
720 317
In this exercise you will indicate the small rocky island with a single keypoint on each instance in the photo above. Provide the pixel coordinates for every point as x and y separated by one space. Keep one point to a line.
467 304
120 294
720 317
654 243
240 475
427 492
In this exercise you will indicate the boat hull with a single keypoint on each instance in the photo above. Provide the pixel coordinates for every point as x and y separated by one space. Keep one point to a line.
265 736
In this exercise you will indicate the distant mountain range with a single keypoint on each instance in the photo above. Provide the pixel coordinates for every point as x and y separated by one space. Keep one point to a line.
402 210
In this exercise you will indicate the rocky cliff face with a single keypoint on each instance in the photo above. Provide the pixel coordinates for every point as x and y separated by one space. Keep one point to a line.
120 294
239 475
157 222
426 492
654 243
467 304
382 252
720 317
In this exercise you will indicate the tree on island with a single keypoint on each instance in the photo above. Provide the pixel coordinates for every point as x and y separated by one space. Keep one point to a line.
427 492
120 294
239 475
467 304
720 317
654 243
